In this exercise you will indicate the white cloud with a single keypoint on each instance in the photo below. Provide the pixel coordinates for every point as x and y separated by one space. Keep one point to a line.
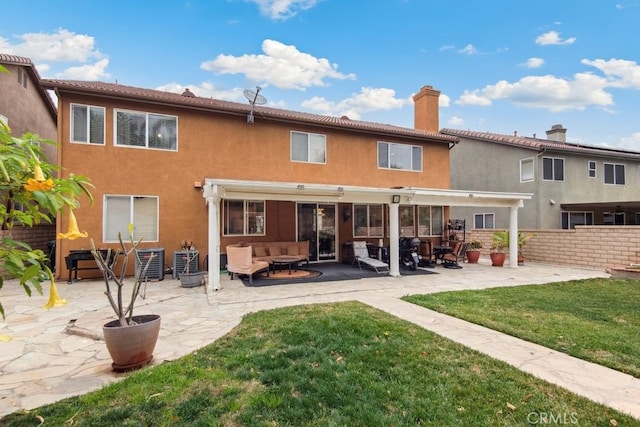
474 97
631 142
444 100
469 50
282 66
87 72
621 73
455 121
283 9
61 46
546 92
367 100
534 63
553 37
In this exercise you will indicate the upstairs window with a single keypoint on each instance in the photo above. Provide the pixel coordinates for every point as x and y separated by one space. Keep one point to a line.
87 124
552 169
23 78
120 211
591 169
146 130
308 147
243 218
614 174
526 170
399 156
367 221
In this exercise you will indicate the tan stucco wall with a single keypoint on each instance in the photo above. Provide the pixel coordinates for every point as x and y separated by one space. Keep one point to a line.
220 146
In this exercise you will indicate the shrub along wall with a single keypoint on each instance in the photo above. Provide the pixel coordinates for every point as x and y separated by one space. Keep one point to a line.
594 246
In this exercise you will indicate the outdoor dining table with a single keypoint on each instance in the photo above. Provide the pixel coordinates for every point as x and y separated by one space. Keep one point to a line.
439 252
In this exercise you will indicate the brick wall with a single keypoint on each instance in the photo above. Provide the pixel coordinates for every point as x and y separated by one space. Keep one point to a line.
595 246
37 237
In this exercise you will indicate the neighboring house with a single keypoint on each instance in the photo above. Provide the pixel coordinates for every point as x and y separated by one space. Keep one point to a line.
265 174
572 184
26 107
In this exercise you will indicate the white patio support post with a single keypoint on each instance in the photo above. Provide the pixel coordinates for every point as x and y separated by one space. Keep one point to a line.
394 243
513 237
213 202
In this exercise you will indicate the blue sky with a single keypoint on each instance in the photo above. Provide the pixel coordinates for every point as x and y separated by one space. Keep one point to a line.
501 65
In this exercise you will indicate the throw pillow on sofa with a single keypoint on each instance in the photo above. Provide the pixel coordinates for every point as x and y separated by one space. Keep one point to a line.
260 251
293 250
274 251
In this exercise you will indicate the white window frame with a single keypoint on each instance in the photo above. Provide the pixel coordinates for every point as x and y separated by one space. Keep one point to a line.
614 167
386 151
369 227
260 223
147 116
89 110
592 168
553 168
483 217
120 210
527 170
315 147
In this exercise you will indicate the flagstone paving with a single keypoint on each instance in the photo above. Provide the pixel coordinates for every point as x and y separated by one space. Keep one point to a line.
43 363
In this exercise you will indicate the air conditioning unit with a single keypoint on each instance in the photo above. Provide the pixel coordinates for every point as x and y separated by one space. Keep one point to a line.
180 262
156 266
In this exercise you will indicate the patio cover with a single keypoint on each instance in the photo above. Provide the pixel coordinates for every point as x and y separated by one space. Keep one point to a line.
215 190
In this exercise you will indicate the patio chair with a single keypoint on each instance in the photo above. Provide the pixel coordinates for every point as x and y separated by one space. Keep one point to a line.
239 261
361 255
453 259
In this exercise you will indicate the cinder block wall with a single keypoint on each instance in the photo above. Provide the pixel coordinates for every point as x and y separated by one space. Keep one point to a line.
595 246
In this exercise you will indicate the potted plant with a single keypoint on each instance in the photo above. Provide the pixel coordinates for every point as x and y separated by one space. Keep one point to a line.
523 238
130 338
499 243
190 278
473 252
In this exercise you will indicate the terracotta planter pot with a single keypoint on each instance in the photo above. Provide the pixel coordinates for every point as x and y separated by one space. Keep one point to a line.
497 258
131 347
473 257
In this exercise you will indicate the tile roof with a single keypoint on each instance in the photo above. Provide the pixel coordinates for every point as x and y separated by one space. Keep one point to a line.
541 145
177 100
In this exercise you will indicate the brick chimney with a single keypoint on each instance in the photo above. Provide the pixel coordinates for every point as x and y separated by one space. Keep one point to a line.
427 109
557 133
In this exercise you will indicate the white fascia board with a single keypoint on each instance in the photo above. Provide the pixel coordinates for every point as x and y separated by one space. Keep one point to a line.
270 190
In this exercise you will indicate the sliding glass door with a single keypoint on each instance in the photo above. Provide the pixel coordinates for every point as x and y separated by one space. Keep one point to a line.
317 224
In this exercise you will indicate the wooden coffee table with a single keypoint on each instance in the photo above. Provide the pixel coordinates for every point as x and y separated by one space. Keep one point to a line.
282 260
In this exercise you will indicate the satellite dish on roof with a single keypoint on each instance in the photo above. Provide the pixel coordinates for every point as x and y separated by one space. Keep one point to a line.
254 98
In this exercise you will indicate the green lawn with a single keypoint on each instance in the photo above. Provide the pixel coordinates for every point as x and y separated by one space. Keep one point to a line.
342 364
596 320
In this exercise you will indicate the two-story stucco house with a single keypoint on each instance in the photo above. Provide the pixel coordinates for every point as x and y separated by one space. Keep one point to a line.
187 168
572 184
